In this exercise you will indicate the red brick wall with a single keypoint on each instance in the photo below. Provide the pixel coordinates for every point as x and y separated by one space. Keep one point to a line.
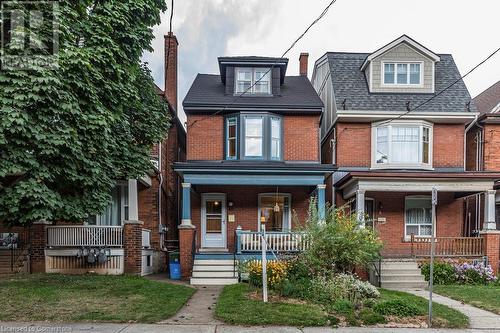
449 219
492 249
245 206
132 245
354 145
471 147
491 147
206 137
301 138
186 252
448 145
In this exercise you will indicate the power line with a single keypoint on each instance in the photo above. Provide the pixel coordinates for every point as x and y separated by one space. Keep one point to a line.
323 13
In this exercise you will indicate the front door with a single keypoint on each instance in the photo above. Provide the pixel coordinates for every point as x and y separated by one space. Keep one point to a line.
213 221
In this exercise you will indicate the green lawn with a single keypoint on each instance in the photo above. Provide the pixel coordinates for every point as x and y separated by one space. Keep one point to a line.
485 297
54 297
443 316
235 307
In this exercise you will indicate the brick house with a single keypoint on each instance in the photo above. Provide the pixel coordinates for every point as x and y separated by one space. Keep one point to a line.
133 233
390 158
251 158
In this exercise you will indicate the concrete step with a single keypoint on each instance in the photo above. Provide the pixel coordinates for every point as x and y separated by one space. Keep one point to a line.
214 268
402 277
214 274
402 265
213 281
402 284
227 262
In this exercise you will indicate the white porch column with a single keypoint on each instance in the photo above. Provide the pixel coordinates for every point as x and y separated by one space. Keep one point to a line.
489 210
133 206
360 207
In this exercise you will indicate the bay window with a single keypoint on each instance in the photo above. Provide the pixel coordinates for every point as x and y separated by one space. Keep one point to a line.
252 80
418 216
402 73
253 136
402 145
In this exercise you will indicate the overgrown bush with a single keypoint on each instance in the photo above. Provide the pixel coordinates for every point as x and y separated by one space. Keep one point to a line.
276 273
397 307
444 273
474 274
328 290
338 244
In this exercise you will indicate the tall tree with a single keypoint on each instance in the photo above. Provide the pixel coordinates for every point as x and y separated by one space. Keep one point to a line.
68 134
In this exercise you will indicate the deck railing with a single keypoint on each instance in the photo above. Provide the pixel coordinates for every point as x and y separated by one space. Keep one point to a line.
146 238
84 235
448 246
250 241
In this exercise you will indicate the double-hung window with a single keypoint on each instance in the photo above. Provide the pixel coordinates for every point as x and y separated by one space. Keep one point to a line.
253 80
117 210
275 138
402 145
402 73
418 216
231 138
254 131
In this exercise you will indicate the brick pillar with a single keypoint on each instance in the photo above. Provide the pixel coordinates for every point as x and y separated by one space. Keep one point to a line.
132 244
186 236
38 242
491 239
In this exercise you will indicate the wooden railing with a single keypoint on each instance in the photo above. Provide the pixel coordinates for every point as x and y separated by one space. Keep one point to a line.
250 241
448 246
146 238
83 235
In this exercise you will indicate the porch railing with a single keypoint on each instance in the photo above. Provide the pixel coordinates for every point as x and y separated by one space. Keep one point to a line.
146 238
448 246
83 235
250 241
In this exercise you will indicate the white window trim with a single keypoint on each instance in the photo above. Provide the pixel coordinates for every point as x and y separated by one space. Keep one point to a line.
399 85
406 236
252 81
389 165
288 221
262 137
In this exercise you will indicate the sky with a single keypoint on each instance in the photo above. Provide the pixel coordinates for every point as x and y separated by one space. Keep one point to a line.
207 29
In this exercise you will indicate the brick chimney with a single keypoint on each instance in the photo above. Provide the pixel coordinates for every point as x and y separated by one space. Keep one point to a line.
304 57
171 69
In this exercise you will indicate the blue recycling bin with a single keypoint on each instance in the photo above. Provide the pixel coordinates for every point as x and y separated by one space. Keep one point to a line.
174 265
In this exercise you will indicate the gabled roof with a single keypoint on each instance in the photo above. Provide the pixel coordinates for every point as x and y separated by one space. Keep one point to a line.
489 100
350 83
207 91
252 61
403 39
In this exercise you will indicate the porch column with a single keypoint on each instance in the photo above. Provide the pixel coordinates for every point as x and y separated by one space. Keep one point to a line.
186 205
321 202
133 207
489 210
360 207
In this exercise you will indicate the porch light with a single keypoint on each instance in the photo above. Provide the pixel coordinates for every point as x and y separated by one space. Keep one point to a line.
276 208
216 203
263 219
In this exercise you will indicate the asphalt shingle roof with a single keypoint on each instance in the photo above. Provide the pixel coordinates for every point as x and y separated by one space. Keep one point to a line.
296 92
488 99
349 83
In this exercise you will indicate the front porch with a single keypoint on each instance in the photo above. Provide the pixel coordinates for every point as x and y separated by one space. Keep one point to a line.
398 206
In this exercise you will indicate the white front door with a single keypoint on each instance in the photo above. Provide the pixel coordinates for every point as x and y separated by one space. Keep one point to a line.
213 221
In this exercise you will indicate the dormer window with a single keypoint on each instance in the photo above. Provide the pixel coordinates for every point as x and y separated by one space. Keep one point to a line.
402 73
252 80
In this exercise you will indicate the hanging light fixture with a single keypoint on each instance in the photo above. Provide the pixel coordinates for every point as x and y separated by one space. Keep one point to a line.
276 205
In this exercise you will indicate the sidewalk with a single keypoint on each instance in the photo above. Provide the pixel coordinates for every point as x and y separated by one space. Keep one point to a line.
165 328
479 319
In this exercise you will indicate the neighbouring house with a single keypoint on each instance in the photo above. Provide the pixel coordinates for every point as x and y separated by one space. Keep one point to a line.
392 146
253 157
135 231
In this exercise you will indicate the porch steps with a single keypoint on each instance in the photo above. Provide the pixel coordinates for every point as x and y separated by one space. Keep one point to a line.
214 269
401 273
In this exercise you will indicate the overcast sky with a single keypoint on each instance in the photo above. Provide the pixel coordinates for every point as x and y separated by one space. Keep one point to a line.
207 29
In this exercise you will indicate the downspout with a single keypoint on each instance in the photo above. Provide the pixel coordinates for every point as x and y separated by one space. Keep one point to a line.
465 140
160 187
333 146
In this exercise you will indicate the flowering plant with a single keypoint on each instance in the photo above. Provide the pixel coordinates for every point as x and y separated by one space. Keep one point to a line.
474 273
276 272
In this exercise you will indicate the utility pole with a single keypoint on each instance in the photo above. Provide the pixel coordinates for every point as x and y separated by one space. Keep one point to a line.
264 261
431 273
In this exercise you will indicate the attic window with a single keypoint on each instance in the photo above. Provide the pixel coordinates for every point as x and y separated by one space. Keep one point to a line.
402 73
252 80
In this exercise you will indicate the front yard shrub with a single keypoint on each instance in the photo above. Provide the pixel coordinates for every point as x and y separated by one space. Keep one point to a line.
397 307
475 274
328 290
370 317
444 273
276 273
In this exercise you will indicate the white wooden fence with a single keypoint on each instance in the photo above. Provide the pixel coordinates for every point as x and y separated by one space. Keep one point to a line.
84 235
250 241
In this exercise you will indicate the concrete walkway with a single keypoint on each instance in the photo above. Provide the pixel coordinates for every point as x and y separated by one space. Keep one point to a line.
165 328
479 319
